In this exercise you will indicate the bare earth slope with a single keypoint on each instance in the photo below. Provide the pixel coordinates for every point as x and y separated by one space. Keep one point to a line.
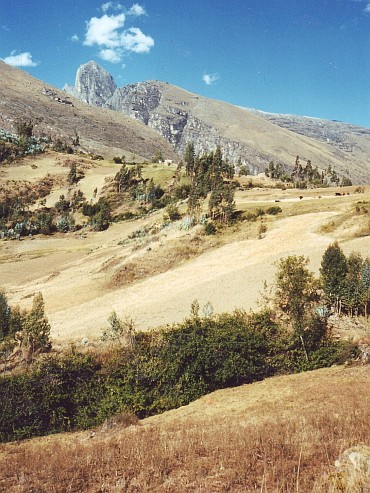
23 97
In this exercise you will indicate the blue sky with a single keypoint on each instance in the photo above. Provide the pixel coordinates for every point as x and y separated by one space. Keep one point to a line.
306 57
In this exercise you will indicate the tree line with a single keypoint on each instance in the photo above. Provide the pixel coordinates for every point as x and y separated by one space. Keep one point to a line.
306 175
345 282
210 174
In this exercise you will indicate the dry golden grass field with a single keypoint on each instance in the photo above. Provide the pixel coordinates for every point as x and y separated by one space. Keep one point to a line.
282 435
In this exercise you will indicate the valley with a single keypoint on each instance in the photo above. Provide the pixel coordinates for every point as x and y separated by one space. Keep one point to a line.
153 229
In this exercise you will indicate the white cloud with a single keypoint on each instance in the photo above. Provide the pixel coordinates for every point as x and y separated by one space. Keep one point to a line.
367 9
135 40
111 6
106 6
137 10
20 60
209 79
114 41
75 38
103 31
109 55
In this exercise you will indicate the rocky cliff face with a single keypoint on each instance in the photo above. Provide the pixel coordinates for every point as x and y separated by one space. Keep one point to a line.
252 136
147 102
336 133
93 85
135 100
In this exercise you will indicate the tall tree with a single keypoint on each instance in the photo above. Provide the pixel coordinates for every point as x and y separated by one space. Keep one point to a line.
352 293
72 175
228 206
296 294
189 156
124 178
333 272
296 290
366 286
4 316
36 328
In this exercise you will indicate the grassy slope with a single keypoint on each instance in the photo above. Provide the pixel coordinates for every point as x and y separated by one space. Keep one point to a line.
155 278
279 435
102 131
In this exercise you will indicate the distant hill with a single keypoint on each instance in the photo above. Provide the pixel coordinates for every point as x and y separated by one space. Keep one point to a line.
253 136
22 97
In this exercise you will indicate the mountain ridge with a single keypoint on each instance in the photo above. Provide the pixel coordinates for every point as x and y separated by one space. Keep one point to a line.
61 116
253 136
152 115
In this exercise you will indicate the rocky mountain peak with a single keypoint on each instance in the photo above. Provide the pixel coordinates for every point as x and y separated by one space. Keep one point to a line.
94 85
247 136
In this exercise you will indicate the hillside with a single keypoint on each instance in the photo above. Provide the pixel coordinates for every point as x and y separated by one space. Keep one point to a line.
253 136
280 435
152 271
22 97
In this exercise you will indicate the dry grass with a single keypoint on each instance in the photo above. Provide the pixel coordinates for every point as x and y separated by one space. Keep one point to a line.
156 255
159 260
352 222
277 436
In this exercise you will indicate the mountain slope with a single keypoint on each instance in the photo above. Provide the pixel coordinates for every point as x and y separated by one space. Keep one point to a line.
253 136
22 97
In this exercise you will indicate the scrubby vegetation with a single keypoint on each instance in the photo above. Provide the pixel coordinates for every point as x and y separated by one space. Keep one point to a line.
16 219
157 371
148 373
24 334
13 146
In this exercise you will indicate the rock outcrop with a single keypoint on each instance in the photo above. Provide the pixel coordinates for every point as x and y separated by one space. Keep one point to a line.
352 472
135 100
247 136
93 85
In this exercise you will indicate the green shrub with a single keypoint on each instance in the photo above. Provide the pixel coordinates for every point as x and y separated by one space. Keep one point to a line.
172 211
210 228
157 371
274 210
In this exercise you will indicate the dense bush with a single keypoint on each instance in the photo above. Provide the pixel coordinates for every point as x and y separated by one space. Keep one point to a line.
99 214
159 370
13 146
274 210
